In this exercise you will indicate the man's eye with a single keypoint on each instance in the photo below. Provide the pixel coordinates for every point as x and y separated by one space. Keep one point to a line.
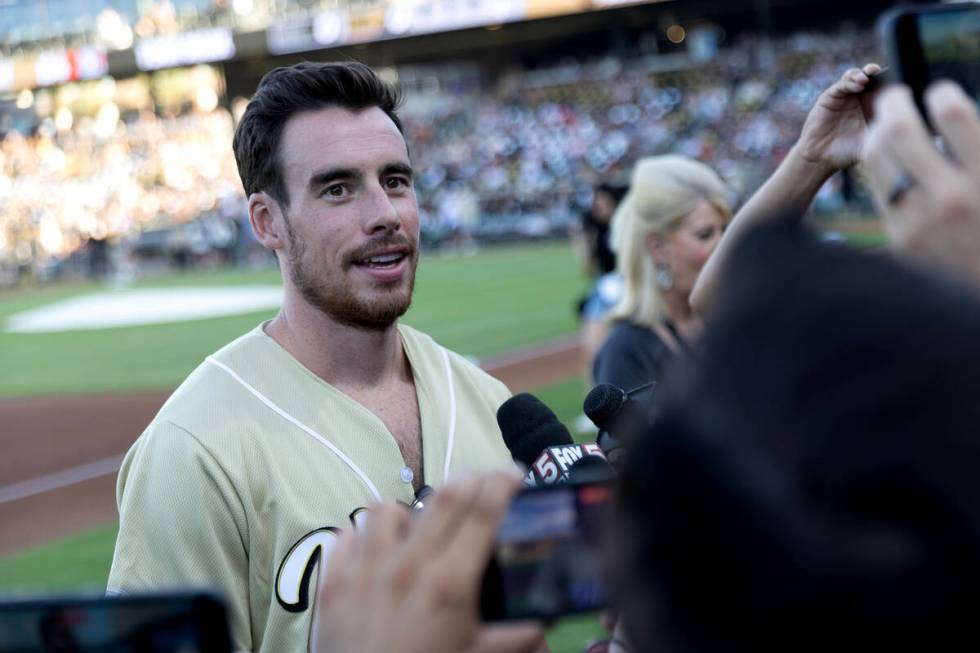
336 190
397 182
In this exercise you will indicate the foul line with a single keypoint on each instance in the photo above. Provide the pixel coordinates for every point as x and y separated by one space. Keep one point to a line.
57 480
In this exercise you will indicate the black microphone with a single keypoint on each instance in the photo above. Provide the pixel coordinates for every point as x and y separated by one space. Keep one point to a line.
538 440
617 414
528 426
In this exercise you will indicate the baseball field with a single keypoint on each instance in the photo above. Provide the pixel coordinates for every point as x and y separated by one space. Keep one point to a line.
85 365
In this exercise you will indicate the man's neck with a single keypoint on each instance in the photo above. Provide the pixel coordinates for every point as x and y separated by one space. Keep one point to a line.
340 354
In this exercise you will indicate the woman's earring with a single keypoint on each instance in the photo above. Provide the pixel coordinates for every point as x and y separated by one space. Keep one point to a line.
665 278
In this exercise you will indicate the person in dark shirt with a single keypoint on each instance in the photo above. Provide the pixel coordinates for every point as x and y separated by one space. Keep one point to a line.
599 262
663 232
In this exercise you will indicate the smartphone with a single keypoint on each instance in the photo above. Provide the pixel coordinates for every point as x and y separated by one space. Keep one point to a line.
923 44
546 558
191 622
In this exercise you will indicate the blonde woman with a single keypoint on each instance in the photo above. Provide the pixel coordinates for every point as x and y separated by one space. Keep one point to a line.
663 232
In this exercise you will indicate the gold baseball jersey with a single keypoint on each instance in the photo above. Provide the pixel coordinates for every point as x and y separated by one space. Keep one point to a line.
245 477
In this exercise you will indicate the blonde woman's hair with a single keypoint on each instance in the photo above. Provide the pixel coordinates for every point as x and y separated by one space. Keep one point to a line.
663 191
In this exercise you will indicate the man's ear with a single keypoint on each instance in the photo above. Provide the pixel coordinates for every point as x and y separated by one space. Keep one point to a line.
657 247
267 220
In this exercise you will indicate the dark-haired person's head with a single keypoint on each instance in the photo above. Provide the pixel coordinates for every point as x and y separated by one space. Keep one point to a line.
286 91
812 480
605 199
327 172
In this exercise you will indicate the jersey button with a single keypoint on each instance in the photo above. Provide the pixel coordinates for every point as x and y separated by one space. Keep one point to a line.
407 475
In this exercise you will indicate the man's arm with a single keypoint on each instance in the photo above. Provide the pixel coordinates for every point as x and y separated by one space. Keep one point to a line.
831 139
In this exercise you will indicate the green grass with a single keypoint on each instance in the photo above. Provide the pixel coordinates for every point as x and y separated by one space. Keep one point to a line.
478 305
81 561
866 240
78 562
571 634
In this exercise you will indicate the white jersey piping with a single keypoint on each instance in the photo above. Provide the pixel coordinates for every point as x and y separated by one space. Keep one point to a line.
292 420
452 416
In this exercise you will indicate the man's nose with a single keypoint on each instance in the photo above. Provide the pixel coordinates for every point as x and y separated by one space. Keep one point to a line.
381 214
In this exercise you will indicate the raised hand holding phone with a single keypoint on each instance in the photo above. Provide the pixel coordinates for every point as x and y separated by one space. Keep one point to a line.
929 200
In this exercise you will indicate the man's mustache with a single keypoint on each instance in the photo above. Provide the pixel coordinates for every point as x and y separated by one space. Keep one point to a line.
381 243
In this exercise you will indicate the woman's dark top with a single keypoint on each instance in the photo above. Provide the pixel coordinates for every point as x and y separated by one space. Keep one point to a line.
633 355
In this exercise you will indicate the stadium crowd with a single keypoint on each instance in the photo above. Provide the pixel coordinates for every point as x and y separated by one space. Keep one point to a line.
539 140
113 179
520 156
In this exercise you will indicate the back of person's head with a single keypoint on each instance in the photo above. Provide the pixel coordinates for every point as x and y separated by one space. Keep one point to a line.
663 191
287 91
812 478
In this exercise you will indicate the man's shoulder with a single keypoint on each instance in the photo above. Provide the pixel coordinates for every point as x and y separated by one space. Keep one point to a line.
211 393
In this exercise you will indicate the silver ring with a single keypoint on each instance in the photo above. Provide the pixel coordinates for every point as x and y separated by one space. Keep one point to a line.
899 187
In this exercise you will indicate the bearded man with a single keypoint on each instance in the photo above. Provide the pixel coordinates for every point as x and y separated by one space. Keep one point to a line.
278 441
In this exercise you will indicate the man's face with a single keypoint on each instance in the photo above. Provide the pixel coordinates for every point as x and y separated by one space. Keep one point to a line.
352 225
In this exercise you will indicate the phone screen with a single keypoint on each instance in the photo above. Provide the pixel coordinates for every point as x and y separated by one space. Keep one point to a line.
926 44
546 560
951 47
150 623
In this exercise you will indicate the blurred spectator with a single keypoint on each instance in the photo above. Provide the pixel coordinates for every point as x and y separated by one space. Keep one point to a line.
599 262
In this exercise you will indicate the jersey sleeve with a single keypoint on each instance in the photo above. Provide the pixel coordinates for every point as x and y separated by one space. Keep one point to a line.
182 524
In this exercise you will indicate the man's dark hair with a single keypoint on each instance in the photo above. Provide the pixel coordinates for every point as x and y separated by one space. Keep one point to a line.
812 478
287 91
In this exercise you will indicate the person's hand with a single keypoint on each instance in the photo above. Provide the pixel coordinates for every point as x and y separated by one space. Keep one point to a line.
404 585
832 137
834 131
930 202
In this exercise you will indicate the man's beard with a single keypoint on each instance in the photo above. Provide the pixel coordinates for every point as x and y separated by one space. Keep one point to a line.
334 298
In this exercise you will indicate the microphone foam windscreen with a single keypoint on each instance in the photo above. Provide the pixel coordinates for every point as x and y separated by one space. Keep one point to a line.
602 404
529 427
